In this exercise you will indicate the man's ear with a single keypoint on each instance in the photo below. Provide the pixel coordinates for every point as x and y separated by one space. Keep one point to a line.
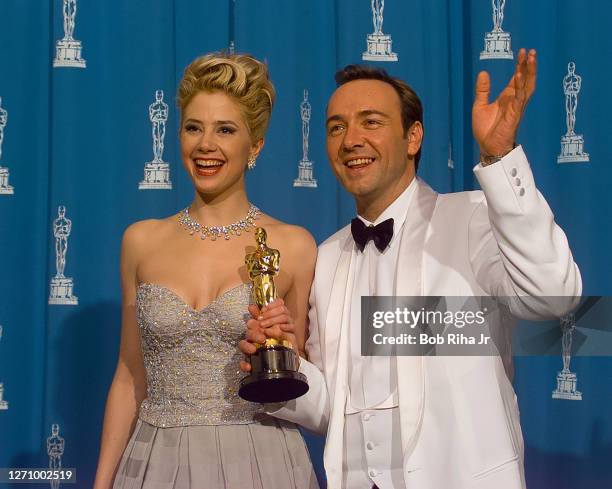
415 138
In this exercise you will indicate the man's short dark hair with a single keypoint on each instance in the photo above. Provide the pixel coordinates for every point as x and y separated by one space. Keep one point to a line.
411 107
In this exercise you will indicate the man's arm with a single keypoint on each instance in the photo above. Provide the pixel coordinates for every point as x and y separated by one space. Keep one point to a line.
516 248
312 409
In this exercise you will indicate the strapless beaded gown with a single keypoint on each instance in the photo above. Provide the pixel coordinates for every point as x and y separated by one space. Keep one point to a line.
193 430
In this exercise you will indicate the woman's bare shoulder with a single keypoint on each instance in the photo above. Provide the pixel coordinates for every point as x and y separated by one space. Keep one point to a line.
144 234
294 239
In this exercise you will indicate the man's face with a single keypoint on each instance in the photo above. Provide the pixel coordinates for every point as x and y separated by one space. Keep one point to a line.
366 145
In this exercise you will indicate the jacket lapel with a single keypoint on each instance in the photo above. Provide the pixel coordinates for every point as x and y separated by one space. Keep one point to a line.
409 282
340 290
336 355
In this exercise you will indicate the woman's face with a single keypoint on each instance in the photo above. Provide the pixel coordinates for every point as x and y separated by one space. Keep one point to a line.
215 143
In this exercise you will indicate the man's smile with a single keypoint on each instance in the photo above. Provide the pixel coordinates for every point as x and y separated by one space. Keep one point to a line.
358 162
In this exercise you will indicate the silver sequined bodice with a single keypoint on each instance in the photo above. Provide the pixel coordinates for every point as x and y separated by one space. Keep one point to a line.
192 358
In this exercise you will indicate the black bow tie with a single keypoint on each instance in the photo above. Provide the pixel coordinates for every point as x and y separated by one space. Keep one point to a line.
381 234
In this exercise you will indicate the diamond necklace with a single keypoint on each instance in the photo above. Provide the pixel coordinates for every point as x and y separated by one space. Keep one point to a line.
213 232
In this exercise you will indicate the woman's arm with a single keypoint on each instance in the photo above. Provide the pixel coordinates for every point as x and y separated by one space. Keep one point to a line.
301 264
128 388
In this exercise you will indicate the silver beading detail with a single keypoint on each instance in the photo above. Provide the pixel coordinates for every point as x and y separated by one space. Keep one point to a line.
214 232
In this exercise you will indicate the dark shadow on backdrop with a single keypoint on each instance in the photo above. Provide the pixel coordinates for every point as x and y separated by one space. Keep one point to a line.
85 359
545 470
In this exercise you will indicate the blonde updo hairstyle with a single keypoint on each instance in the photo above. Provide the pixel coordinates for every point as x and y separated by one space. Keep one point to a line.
240 76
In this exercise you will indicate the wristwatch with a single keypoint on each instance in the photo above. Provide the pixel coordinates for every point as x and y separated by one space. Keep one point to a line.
486 160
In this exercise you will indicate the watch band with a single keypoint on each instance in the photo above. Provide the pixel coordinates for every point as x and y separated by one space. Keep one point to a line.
487 160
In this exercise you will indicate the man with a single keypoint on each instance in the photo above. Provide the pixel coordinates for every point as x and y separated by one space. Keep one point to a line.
423 422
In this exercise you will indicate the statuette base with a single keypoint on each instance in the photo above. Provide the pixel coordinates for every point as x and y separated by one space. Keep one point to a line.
379 48
305 176
3 404
274 376
566 387
572 150
68 54
61 292
497 45
156 176
5 188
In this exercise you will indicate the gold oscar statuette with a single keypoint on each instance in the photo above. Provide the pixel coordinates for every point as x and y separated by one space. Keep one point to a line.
274 375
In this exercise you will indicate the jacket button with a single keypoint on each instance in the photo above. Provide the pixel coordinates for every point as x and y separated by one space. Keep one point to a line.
513 172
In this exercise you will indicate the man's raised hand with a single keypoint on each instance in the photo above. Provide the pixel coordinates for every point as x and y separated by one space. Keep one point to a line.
495 124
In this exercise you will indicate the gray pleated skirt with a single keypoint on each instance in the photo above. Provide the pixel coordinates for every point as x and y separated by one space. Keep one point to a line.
270 454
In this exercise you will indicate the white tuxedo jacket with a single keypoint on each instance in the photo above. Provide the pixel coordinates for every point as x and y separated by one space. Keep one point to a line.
459 415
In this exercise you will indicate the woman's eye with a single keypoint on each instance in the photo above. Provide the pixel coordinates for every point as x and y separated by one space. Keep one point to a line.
227 130
192 128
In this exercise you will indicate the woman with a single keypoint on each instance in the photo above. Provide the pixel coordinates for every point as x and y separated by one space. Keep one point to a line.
185 295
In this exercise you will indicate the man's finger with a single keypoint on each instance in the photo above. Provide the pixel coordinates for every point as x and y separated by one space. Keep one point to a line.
254 311
276 311
291 339
278 302
246 347
483 89
253 324
520 70
532 69
280 319
255 336
519 88
274 332
287 327
522 57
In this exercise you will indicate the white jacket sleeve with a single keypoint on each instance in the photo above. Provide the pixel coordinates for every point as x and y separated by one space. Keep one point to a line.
312 409
516 248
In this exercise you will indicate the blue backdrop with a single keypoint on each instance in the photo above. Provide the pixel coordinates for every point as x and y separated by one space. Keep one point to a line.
80 137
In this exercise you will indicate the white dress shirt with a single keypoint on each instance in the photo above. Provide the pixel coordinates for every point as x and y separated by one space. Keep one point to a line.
372 443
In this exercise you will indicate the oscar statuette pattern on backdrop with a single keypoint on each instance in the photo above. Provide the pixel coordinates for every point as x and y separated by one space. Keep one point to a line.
88 145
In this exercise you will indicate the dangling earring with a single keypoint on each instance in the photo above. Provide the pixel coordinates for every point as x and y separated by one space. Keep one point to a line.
251 162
